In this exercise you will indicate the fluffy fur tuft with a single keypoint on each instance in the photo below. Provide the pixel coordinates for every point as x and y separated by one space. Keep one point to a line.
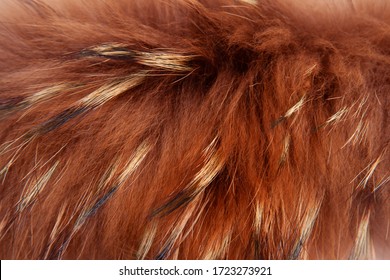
194 129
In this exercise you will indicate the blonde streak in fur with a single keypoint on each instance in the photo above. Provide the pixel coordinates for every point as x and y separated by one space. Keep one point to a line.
4 170
207 174
211 146
310 217
32 192
3 224
359 134
176 232
309 221
111 90
101 186
310 70
57 228
250 2
81 202
80 206
19 148
258 223
213 164
86 203
218 249
151 230
177 236
165 61
45 94
26 105
296 107
107 177
370 172
371 169
137 158
133 164
147 240
29 103
258 218
194 204
363 248
381 183
15 144
337 116
201 206
93 100
286 149
89 209
111 50
362 108
155 58
38 97
8 145
79 211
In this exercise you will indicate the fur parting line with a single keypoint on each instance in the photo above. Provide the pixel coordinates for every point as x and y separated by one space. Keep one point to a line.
194 129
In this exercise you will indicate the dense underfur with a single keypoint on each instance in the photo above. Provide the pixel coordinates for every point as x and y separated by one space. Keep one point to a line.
194 129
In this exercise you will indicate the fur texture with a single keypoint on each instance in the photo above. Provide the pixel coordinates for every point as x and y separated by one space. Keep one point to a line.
194 129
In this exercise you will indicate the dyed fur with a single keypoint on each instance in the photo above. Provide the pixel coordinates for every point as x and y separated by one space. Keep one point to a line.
194 129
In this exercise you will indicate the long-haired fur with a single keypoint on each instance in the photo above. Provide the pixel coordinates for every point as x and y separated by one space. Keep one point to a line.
194 129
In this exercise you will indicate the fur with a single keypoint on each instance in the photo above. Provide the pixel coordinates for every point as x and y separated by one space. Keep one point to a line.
194 129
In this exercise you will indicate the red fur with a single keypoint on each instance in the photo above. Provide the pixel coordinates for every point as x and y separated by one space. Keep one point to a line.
194 129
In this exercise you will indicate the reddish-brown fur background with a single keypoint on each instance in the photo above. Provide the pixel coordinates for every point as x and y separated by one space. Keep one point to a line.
194 129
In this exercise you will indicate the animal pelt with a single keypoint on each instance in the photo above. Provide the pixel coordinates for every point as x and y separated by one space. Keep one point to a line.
194 129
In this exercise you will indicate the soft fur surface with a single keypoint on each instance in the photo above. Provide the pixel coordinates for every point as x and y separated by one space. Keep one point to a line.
194 129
